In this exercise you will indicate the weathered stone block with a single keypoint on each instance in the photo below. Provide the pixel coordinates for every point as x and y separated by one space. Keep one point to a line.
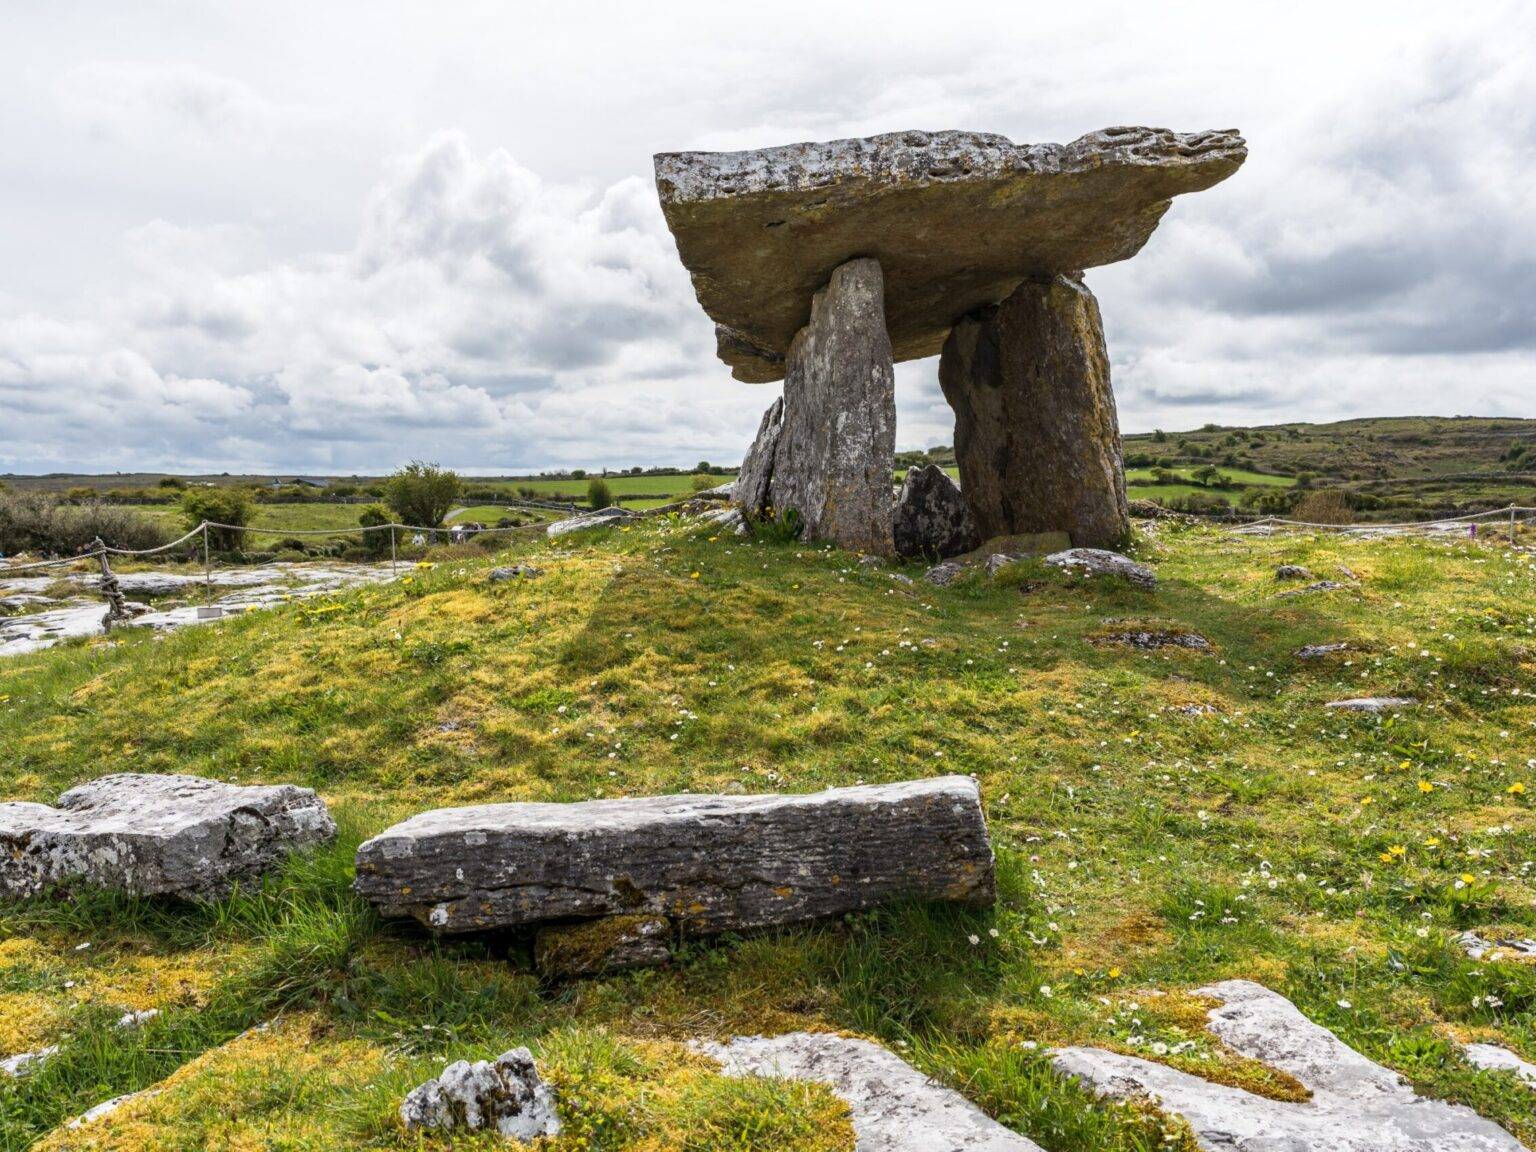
836 448
1036 434
931 518
156 835
709 864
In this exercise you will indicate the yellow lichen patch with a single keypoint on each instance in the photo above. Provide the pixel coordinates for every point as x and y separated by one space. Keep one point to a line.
265 1089
656 1096
136 981
27 1021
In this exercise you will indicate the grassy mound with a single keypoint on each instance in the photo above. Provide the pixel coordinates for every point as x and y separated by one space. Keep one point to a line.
1163 818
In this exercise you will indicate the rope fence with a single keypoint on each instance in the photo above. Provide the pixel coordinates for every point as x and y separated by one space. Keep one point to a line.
98 548
1513 513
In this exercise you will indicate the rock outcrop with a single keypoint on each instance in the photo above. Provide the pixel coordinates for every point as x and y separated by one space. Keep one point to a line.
506 1097
157 835
708 864
1356 1105
1099 562
1492 1058
931 519
894 1107
600 518
1371 704
956 219
1036 434
836 447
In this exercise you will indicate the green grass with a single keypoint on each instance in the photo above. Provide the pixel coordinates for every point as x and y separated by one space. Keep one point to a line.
1140 848
269 519
1238 476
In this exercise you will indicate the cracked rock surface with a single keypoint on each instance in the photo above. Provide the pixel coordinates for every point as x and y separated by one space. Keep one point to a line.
709 864
156 835
1356 1105
601 518
895 1108
506 1097
1102 562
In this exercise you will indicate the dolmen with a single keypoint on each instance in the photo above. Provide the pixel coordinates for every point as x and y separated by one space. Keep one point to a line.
824 264
153 835
615 883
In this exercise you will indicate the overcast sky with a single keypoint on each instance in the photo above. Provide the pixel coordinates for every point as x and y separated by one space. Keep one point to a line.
329 237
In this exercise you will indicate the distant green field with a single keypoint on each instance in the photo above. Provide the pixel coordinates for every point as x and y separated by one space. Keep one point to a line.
1238 476
618 485
273 518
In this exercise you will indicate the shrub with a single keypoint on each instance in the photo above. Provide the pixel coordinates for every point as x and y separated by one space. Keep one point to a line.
421 494
703 483
375 516
1324 506
598 493
41 522
230 507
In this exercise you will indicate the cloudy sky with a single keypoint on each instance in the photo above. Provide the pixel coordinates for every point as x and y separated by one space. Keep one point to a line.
331 237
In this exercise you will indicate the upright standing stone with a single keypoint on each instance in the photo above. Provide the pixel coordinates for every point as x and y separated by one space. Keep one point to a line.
836 449
753 481
1036 435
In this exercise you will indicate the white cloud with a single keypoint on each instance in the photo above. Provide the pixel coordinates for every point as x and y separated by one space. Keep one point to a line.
426 233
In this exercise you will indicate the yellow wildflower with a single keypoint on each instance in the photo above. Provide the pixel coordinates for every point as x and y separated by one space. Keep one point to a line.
1426 786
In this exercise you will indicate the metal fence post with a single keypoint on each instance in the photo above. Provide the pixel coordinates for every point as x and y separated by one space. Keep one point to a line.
392 564
207 566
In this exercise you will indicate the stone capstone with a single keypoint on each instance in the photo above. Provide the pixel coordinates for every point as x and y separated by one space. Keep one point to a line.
835 448
894 1107
1099 562
157 835
1356 1104
506 1097
956 219
708 864
601 518
1037 438
931 518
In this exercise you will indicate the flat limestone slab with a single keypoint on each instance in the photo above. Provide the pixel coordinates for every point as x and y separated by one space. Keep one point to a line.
895 1108
708 863
156 835
956 219
1356 1106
